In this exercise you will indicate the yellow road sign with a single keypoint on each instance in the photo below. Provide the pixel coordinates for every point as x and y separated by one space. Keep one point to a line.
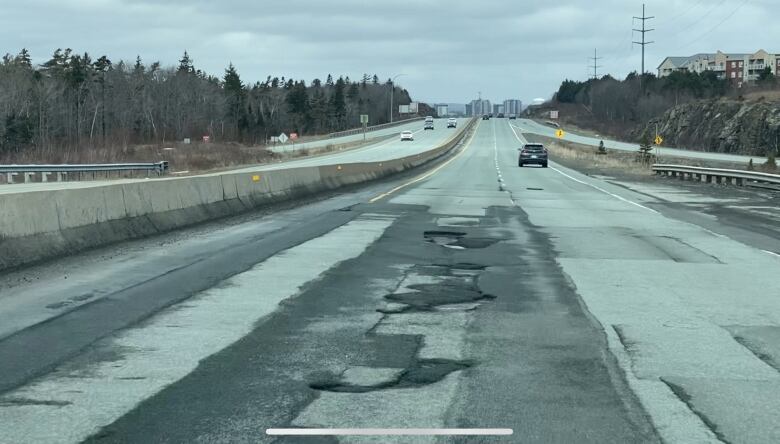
659 140
559 134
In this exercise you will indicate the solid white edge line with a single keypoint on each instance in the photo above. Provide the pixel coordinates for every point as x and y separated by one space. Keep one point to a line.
466 146
512 127
388 432
772 253
603 190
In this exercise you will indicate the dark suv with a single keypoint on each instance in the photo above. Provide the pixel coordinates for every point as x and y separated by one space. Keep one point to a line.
534 153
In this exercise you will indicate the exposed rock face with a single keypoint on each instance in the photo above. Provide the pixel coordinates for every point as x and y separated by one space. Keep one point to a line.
724 126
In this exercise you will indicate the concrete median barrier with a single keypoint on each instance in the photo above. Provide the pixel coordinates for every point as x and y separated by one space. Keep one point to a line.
39 225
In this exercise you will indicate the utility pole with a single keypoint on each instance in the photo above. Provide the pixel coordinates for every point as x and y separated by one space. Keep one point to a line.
595 65
392 93
644 43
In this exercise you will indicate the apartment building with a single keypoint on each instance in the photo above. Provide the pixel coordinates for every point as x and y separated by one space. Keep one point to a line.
513 106
737 67
480 107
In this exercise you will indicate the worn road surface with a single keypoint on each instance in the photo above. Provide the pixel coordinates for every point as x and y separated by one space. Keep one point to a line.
482 295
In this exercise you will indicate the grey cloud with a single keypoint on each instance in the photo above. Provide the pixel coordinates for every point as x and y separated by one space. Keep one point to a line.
448 49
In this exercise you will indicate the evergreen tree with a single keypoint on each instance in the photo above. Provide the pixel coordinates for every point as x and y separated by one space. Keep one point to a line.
234 95
138 68
338 106
23 59
375 80
232 81
353 92
329 80
185 64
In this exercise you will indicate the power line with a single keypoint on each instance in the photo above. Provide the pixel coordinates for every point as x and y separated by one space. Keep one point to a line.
690 26
644 31
595 65
717 25
668 25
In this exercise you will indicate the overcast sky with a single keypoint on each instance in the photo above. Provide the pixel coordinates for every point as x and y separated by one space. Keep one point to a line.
448 50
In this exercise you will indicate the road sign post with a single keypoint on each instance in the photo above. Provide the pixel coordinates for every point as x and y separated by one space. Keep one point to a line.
364 122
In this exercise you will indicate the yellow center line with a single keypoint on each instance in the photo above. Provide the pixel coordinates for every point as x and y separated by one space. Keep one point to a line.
430 173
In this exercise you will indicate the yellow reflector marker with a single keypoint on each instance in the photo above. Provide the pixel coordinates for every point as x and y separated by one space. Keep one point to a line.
256 178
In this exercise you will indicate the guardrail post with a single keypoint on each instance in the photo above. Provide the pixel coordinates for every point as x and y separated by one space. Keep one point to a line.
739 181
27 177
44 176
10 178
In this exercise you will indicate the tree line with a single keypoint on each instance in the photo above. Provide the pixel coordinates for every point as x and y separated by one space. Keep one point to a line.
638 98
73 100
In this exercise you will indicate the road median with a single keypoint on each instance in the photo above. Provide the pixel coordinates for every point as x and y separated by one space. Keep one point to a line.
40 225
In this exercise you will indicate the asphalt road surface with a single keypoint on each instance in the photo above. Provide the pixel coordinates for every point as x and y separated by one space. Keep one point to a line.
477 295
321 143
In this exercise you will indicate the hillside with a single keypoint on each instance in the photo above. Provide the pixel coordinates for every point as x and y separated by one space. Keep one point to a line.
693 111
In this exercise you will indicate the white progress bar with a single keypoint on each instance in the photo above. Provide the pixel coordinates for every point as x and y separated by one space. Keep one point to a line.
385 432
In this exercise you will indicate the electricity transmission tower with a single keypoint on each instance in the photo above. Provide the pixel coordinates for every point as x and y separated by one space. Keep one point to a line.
595 66
644 31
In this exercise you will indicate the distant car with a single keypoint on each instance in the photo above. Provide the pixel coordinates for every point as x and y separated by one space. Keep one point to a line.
512 117
407 135
485 117
452 123
532 153
428 125
429 118
500 115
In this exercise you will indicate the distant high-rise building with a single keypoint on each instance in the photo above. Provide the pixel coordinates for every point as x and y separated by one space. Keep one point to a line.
513 106
498 108
480 107
469 109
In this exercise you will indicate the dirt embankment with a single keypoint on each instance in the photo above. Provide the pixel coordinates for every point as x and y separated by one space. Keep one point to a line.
614 163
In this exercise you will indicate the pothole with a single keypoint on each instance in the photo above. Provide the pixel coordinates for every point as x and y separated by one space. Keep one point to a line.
443 238
457 221
468 242
463 266
428 296
421 372
457 240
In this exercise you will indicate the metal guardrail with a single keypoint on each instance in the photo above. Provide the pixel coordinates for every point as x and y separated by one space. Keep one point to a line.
27 171
372 128
718 175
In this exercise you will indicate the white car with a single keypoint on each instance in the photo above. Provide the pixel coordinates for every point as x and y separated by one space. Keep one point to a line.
452 123
407 135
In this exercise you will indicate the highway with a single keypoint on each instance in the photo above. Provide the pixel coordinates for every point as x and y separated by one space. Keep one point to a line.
321 143
391 148
475 294
532 127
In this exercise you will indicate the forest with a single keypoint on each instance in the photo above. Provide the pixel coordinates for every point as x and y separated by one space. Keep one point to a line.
73 101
